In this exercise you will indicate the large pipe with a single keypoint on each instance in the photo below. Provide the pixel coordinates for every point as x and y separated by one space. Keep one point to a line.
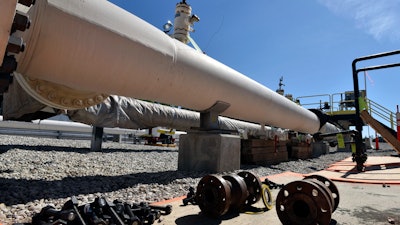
62 126
96 46
130 113
117 111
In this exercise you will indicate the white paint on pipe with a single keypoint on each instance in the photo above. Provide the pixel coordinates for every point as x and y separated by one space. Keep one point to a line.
97 46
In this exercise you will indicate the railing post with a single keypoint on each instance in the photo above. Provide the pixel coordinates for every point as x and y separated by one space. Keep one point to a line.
391 121
369 106
398 123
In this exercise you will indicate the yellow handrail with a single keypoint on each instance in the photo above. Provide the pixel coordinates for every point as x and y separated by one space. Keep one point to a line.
375 109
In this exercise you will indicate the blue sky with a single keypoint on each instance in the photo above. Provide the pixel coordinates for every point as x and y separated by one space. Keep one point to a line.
311 43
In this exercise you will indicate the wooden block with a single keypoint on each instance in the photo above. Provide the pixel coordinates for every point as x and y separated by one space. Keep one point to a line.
257 143
259 151
251 143
301 152
265 158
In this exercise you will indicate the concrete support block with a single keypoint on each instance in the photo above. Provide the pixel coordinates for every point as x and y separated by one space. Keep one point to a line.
209 152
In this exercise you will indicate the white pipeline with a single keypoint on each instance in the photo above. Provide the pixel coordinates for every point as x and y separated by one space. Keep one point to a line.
62 126
96 46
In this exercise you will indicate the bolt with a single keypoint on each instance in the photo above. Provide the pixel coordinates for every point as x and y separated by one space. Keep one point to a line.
15 45
21 22
26 2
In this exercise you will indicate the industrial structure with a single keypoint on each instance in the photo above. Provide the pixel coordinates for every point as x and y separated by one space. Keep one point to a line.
105 67
63 53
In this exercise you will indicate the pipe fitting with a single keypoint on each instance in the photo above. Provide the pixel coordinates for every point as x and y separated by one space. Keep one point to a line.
308 201
27 2
15 45
217 195
6 69
11 20
21 22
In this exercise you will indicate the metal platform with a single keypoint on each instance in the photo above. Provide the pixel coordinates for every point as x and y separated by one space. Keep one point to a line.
378 170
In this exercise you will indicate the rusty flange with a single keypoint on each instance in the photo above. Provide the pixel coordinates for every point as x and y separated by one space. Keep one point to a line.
330 185
254 187
303 202
213 195
217 195
325 190
239 190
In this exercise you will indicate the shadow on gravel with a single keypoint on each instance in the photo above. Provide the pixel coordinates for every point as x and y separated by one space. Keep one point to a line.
44 148
13 191
200 218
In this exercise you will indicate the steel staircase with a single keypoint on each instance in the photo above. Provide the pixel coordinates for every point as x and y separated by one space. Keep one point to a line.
388 134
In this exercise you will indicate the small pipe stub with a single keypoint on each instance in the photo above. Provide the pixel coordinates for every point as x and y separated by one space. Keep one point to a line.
183 22
308 201
217 195
334 192
213 195
254 187
239 190
27 2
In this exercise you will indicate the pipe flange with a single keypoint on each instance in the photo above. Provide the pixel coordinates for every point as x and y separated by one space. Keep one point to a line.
213 195
303 202
57 95
330 185
238 190
325 190
254 187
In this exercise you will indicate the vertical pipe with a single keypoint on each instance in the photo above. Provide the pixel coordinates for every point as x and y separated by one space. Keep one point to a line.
97 138
358 121
392 121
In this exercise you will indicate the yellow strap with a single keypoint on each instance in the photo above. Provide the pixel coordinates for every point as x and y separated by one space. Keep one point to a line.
353 148
266 196
362 104
267 200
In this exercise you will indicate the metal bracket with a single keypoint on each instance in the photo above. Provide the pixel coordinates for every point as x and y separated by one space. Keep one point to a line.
209 117
97 138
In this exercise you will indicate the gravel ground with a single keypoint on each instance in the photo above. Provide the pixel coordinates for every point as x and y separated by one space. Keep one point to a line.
35 172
